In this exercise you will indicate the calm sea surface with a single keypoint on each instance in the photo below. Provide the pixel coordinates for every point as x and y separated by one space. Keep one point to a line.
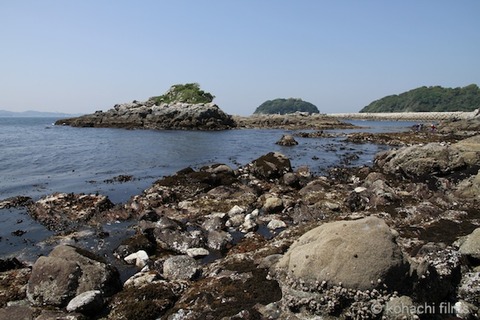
38 158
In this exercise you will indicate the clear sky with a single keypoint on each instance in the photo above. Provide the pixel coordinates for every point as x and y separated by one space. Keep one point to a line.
87 55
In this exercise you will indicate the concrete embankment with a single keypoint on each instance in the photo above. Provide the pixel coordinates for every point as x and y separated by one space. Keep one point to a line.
432 116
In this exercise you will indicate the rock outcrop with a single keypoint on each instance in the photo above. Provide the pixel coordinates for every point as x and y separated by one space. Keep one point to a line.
432 158
147 115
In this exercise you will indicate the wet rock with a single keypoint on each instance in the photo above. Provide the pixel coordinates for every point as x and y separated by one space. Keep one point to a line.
17 313
219 240
178 241
10 264
291 121
287 140
218 168
214 222
134 244
360 254
88 302
148 302
248 224
13 285
235 221
240 288
62 211
272 165
180 268
15 202
67 272
291 179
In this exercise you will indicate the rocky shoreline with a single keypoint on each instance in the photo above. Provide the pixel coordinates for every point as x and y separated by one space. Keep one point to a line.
148 115
398 240
410 116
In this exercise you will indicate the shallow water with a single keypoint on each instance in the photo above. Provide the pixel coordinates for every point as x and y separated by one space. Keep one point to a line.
38 158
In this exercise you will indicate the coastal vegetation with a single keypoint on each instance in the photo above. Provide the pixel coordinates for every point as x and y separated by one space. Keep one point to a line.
284 106
184 93
429 99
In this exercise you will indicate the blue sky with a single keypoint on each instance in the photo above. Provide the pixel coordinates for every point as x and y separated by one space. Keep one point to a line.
82 56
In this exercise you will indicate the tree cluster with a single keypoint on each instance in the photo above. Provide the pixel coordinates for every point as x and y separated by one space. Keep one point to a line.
184 93
429 99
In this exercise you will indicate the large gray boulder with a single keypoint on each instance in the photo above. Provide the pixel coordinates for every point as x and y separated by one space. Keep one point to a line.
360 255
272 165
67 272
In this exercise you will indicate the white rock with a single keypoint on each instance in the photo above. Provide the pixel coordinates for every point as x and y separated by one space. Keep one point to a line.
87 301
197 252
360 189
236 210
140 258
276 224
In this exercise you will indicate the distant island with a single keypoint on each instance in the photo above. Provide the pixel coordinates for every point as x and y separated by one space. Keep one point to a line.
429 99
182 107
34 114
285 106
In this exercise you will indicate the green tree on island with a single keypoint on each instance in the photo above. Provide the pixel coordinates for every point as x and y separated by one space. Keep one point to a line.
429 99
284 106
184 93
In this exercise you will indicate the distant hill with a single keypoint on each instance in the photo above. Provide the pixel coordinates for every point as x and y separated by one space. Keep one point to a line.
429 99
35 114
284 106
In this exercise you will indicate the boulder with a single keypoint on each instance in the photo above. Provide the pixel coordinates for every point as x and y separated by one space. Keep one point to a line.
180 268
471 245
273 204
360 255
469 288
177 240
287 140
469 188
272 165
67 272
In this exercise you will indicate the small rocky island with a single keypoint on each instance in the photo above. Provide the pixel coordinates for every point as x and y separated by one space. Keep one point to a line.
182 107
